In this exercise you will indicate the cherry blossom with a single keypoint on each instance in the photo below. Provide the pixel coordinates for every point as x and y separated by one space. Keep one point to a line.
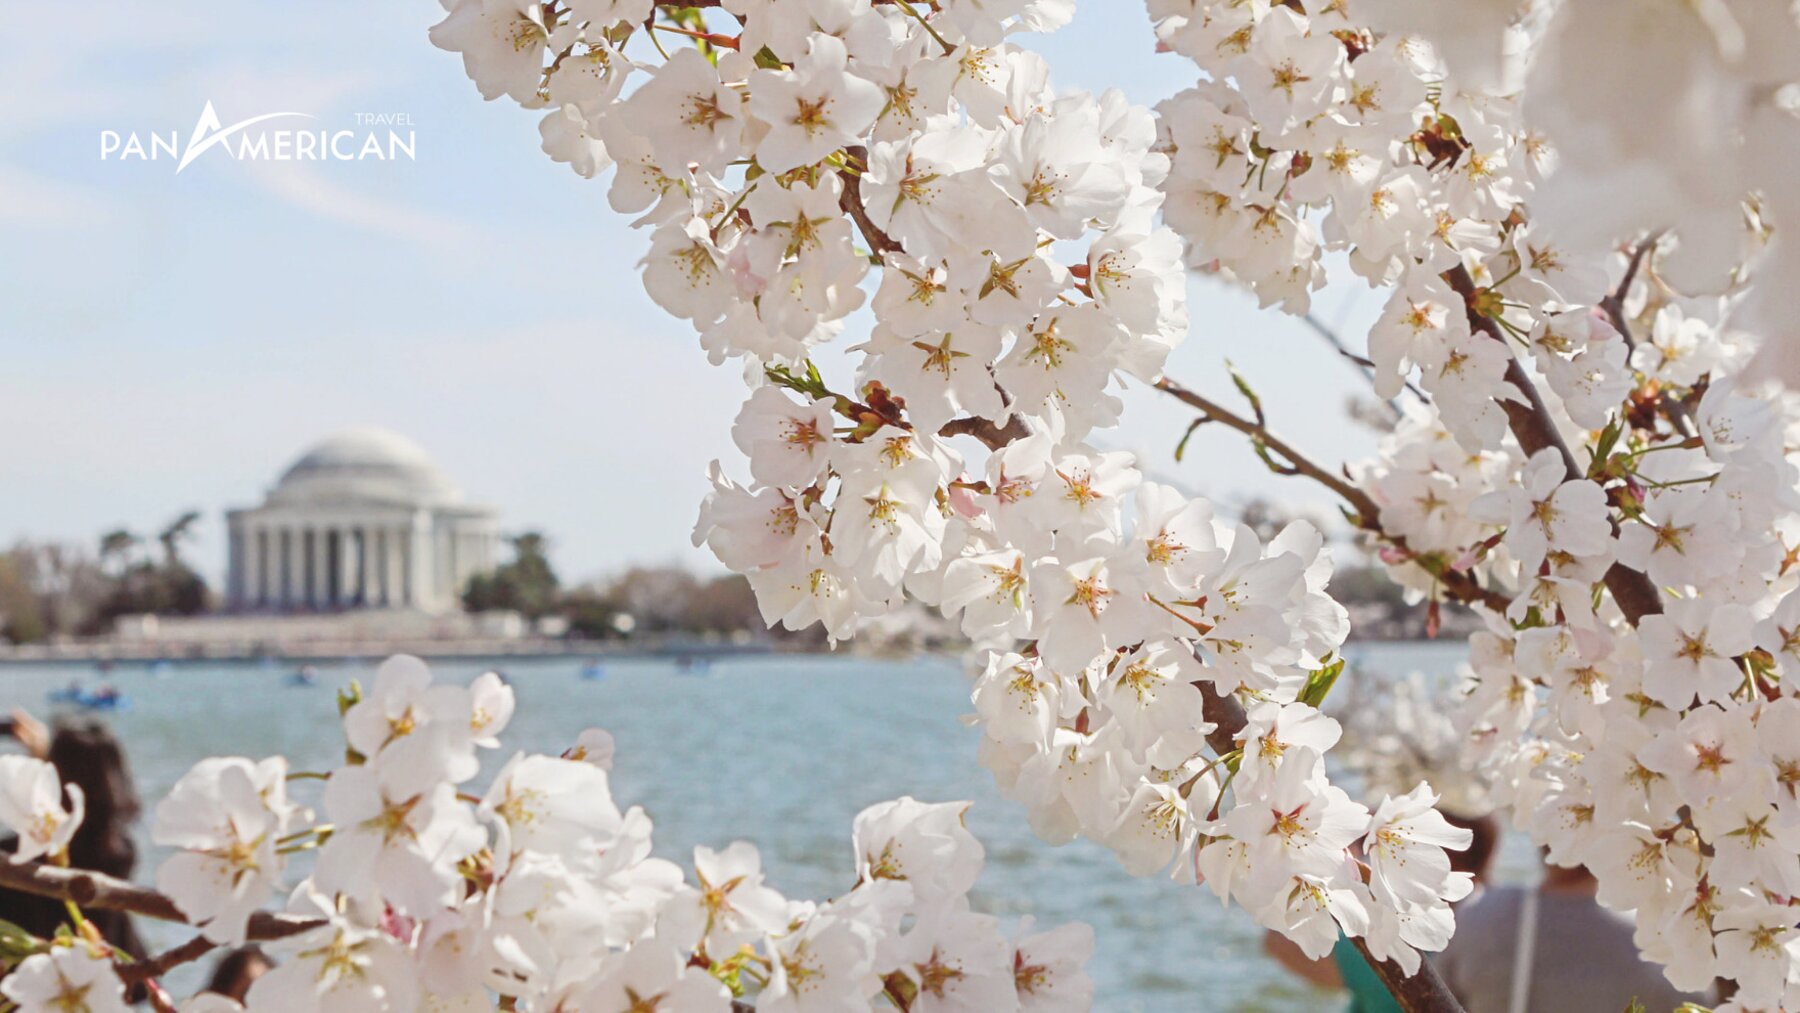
32 806
228 816
67 979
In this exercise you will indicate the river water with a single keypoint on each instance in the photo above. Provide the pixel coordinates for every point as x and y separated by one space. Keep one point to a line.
782 751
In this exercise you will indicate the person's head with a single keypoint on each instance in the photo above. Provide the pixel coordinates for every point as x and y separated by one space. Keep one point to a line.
236 971
85 753
1478 858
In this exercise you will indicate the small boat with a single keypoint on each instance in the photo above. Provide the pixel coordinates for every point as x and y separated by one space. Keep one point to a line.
106 698
161 668
305 675
593 671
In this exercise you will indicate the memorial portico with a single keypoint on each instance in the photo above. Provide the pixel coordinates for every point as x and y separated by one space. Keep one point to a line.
363 520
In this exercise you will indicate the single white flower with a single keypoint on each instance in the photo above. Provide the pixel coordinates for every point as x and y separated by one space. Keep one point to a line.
31 806
67 979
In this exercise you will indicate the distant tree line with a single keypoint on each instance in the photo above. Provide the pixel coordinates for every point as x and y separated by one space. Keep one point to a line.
643 599
52 590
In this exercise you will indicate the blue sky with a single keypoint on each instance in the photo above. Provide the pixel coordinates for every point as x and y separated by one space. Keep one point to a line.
172 341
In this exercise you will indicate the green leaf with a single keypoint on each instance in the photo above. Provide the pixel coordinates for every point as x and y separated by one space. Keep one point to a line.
349 697
1319 683
1603 449
16 944
1181 448
1243 387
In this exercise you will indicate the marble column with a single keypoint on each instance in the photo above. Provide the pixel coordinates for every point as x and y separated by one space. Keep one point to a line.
293 568
421 578
365 549
349 568
234 565
321 564
397 589
251 568
384 594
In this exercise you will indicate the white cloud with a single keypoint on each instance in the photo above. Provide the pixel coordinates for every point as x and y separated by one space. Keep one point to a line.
310 188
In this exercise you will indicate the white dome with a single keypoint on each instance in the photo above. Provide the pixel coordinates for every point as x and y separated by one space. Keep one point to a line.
365 465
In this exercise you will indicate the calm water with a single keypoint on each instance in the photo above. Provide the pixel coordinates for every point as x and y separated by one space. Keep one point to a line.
780 751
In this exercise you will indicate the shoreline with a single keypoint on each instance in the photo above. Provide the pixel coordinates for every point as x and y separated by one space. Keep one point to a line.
328 651
333 651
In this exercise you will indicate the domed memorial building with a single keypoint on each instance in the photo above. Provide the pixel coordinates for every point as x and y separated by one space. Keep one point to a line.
365 519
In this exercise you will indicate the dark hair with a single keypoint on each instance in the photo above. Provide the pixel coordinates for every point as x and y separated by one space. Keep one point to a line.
1479 856
231 975
85 753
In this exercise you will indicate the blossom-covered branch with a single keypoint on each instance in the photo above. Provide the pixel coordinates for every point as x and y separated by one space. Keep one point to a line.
1023 252
538 895
1536 429
97 890
1363 511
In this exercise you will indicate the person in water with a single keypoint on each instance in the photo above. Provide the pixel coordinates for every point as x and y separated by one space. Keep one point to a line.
85 753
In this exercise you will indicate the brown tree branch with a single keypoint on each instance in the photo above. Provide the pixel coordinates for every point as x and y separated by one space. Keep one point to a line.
851 201
1614 304
1423 992
1535 428
163 963
986 431
1457 585
1614 307
1225 714
98 890
1358 500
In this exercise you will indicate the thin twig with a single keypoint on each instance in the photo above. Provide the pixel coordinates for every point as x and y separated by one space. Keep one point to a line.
1614 307
1362 361
1614 304
1457 585
163 963
1358 500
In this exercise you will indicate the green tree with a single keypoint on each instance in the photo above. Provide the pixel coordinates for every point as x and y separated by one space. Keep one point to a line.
527 585
142 584
21 617
116 547
592 613
172 536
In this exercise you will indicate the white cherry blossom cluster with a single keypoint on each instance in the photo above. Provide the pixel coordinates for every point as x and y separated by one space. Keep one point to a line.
538 894
781 152
1708 138
1660 755
1597 463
